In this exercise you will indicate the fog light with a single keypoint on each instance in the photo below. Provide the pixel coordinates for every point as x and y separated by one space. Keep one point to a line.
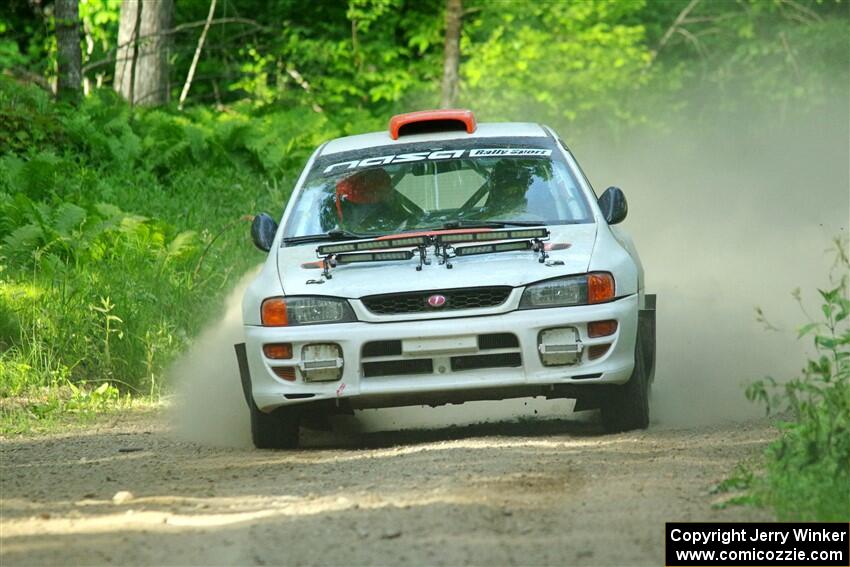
285 372
321 362
278 351
601 328
597 351
559 347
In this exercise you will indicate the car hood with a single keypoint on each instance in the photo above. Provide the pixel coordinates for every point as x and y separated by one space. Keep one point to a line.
503 268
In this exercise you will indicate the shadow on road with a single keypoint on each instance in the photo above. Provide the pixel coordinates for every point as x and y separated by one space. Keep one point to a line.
340 439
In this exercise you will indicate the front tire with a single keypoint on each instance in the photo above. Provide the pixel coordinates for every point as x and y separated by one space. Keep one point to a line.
277 430
626 406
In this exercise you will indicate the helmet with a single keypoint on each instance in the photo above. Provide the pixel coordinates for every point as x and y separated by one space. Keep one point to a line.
363 188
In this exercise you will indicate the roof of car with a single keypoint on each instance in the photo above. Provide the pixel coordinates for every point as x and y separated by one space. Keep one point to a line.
484 130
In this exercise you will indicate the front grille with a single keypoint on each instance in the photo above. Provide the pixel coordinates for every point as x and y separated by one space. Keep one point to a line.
417 302
396 367
382 348
387 358
497 340
477 361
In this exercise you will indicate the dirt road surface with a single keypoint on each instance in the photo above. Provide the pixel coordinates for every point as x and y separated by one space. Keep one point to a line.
536 492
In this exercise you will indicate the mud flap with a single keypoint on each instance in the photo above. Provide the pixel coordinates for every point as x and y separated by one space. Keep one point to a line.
646 334
244 372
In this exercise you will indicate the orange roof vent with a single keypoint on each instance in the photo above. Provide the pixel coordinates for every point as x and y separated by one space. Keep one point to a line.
427 121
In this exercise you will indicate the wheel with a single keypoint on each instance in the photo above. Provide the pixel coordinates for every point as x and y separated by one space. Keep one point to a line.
626 406
276 430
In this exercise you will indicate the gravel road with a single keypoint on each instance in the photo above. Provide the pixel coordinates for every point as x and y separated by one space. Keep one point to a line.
534 492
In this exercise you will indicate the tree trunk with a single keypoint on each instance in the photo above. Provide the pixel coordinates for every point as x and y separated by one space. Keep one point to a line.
188 84
143 46
69 56
451 53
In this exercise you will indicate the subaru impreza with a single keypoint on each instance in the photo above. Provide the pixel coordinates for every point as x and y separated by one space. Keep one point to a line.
443 261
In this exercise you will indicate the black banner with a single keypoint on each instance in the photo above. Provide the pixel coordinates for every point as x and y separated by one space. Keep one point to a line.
759 544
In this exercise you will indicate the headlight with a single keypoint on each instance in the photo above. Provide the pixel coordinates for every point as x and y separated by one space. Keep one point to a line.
306 310
596 287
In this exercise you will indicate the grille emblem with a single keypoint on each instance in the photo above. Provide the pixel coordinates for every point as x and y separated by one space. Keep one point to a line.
436 301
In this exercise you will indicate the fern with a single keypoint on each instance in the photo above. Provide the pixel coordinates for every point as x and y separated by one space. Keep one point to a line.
10 170
68 219
181 245
23 242
109 211
36 177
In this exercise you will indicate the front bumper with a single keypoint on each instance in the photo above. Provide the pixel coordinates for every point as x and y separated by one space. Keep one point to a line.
447 381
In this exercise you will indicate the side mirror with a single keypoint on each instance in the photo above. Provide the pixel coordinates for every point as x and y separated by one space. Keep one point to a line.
263 230
613 205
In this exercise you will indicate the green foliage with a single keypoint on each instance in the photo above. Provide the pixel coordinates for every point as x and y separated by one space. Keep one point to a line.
583 65
10 53
100 26
120 229
96 275
562 62
773 53
606 66
26 120
736 490
808 468
347 57
27 44
84 399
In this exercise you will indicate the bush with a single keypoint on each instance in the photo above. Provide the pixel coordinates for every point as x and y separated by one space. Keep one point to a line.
808 467
121 230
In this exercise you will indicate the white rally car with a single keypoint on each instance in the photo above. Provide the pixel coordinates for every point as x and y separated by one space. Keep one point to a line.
439 262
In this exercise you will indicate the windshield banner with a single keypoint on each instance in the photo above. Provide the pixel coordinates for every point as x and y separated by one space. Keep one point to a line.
437 155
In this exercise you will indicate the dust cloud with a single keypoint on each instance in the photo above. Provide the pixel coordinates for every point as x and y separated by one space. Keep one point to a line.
726 218
208 405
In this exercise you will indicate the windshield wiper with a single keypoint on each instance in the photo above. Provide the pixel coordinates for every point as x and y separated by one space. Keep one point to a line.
330 235
489 224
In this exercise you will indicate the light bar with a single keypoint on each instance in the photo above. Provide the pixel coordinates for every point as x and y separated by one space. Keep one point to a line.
373 257
489 248
393 243
401 242
336 249
493 235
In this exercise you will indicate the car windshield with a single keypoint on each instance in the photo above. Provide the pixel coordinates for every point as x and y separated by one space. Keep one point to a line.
390 190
